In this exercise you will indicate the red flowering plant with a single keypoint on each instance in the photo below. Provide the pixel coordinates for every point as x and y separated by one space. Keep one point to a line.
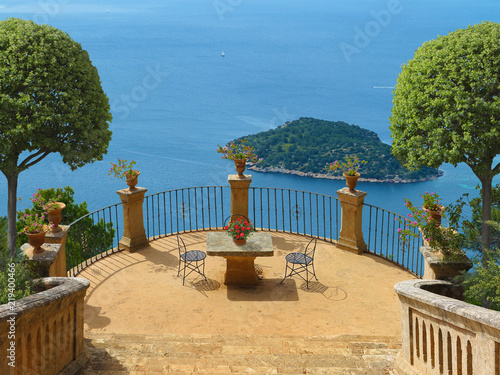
240 228
239 149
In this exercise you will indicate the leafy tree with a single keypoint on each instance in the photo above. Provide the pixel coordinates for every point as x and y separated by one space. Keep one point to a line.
51 100
447 108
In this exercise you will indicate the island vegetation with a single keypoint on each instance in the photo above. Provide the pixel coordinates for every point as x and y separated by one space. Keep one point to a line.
306 145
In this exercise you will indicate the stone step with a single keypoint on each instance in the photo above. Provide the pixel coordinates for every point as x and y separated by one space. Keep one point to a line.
112 354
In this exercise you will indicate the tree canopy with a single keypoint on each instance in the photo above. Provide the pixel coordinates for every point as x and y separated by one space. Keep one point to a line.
51 100
447 106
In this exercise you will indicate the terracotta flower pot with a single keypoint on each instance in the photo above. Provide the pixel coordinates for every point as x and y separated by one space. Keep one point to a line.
436 214
351 181
240 241
240 165
131 182
36 240
55 216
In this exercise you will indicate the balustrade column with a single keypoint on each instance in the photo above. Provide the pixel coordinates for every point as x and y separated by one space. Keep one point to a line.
239 194
351 233
52 261
58 269
134 235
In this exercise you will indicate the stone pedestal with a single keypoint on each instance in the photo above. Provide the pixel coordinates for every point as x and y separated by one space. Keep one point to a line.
59 238
240 260
239 194
351 233
48 263
435 268
134 235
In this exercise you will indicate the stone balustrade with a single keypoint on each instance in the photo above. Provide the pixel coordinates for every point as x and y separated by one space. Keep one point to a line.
443 335
43 333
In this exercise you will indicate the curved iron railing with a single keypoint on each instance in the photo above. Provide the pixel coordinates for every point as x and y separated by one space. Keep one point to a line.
93 237
380 231
274 209
97 234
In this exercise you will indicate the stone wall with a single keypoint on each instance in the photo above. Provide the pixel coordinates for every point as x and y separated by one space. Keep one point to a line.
43 333
442 335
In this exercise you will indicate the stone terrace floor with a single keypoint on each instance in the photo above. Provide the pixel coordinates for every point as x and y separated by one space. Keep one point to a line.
141 293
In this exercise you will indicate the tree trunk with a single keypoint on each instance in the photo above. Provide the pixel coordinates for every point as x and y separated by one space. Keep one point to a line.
11 212
486 184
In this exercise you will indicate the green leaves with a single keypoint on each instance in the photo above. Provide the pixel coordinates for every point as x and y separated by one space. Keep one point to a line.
51 97
308 144
446 105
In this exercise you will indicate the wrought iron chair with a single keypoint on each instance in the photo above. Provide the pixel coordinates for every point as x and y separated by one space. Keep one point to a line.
297 263
193 260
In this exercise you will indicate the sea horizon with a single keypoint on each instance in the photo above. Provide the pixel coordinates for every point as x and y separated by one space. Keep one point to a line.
174 97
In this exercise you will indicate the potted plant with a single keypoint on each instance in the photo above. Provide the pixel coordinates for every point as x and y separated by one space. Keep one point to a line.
124 171
443 247
240 152
349 168
239 230
35 228
433 207
51 207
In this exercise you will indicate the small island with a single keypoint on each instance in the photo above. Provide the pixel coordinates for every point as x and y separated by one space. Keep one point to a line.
304 146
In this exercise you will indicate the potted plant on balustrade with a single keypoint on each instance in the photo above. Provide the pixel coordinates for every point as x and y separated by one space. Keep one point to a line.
349 169
51 207
240 152
124 171
239 230
35 228
443 246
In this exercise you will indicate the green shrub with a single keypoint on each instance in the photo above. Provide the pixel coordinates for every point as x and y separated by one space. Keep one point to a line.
16 276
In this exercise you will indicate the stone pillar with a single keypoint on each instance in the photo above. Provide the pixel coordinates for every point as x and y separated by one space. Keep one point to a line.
45 264
239 194
437 268
134 235
351 233
59 267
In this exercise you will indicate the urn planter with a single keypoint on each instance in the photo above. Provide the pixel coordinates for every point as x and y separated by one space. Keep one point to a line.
132 182
36 240
240 165
351 181
436 214
55 215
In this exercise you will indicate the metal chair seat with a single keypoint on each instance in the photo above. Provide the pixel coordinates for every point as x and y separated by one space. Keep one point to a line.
193 256
298 258
192 260
298 263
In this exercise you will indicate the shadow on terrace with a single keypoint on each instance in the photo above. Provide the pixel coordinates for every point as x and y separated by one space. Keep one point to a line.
140 292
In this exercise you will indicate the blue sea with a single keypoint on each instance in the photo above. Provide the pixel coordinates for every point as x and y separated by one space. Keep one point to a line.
174 98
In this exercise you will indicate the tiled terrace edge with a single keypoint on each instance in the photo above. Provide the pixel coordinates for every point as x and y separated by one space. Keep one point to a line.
442 335
43 333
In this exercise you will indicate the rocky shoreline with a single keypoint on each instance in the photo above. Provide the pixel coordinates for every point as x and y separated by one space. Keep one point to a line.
396 180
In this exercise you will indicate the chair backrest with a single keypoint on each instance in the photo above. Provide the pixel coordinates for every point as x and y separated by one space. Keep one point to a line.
181 244
311 247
